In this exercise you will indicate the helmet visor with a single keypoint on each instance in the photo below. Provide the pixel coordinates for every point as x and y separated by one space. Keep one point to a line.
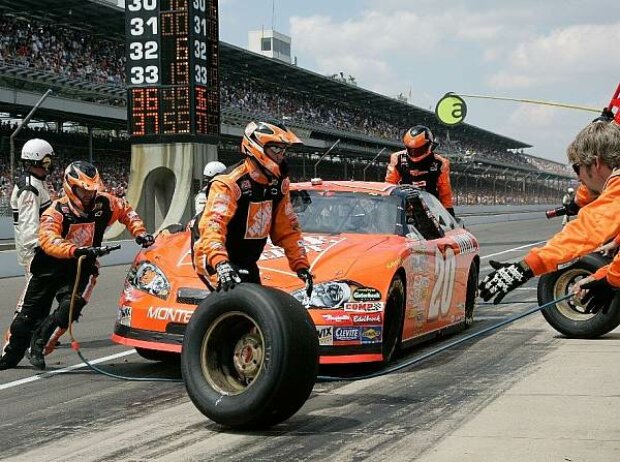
419 153
276 152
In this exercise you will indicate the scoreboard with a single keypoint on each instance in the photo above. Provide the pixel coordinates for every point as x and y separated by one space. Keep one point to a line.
172 49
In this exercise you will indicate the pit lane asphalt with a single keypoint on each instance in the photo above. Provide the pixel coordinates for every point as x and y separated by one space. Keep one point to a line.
84 416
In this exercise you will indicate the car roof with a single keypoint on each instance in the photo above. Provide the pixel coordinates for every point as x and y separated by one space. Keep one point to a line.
371 187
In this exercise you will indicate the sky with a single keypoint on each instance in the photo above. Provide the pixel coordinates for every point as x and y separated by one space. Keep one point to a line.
553 50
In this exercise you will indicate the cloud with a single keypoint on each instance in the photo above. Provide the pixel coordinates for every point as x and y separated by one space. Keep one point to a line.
566 53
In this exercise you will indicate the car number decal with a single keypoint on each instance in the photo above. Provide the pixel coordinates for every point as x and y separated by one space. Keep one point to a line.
445 273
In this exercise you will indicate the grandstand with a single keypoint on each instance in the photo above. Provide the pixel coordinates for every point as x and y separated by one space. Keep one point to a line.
76 48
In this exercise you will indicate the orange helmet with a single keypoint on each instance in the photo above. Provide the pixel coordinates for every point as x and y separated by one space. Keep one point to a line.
267 142
81 183
420 142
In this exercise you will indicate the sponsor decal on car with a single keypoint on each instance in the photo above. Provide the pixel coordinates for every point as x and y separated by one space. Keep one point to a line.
466 244
419 296
366 294
162 313
311 243
325 334
364 307
339 318
346 334
367 318
123 316
371 334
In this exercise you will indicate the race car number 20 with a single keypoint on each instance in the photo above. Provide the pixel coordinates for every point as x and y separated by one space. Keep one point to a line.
445 273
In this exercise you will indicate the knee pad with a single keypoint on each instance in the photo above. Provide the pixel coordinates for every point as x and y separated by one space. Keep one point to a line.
62 312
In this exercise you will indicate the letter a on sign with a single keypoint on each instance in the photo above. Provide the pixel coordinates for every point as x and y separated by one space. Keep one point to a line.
451 109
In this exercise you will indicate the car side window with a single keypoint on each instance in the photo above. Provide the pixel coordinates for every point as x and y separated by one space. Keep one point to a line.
445 220
419 217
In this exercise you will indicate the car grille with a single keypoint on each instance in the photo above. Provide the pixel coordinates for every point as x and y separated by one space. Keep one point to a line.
191 296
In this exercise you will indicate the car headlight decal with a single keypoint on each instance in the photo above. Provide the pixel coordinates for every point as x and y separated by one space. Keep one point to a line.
148 278
331 294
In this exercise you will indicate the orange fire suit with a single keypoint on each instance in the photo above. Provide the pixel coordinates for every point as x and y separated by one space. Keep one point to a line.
243 209
596 223
431 174
54 270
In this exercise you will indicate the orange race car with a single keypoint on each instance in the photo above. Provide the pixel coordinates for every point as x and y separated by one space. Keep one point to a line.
391 267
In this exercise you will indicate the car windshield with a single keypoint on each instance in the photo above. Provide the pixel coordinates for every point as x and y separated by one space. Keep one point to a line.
345 212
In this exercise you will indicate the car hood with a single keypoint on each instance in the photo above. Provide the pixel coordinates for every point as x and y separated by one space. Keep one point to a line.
330 256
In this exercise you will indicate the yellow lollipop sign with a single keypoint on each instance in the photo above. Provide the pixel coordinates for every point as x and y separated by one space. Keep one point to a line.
451 109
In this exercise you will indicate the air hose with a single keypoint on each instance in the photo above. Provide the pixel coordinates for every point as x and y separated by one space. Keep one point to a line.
418 359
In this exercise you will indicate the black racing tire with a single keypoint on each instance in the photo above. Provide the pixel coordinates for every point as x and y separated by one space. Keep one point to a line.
250 357
471 294
568 316
161 356
393 319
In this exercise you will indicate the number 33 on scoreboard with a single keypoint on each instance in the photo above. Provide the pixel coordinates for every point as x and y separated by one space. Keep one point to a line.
445 273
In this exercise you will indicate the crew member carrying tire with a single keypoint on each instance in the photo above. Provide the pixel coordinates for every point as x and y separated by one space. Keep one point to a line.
247 204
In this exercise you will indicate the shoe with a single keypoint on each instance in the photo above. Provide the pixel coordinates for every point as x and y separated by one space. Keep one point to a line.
35 355
7 363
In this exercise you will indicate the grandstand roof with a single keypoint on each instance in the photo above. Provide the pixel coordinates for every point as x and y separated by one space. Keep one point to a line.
106 18
244 63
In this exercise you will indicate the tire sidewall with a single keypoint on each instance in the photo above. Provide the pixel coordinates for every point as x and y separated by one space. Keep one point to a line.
591 326
259 402
394 315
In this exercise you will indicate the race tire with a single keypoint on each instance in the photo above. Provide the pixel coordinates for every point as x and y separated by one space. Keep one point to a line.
161 356
250 357
472 293
565 316
393 319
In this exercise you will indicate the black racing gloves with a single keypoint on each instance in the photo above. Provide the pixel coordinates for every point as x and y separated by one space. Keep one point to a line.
145 240
306 276
599 296
505 278
227 276
89 252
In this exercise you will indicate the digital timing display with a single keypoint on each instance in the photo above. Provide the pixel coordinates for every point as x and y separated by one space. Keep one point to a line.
172 67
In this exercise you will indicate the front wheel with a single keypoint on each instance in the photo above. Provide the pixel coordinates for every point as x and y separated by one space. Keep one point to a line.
568 316
393 319
472 292
250 356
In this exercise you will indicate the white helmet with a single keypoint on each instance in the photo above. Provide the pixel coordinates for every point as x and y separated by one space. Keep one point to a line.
213 168
36 149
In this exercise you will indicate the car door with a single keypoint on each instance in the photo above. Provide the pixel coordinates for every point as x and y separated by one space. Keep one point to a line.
432 269
456 237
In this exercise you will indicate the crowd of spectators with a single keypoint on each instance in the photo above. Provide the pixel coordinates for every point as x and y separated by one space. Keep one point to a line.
76 54
110 156
61 50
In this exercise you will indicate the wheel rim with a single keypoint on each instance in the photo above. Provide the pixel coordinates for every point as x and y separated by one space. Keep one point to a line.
232 353
572 307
